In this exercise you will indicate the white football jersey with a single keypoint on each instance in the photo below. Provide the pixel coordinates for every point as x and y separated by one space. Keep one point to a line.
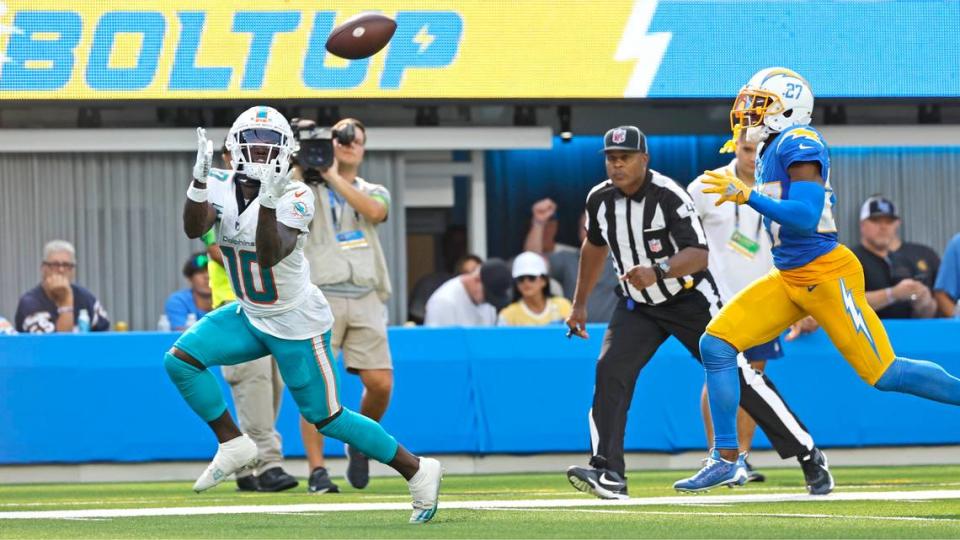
281 300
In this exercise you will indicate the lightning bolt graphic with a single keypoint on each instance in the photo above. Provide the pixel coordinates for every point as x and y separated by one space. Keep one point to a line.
645 49
5 29
856 316
423 38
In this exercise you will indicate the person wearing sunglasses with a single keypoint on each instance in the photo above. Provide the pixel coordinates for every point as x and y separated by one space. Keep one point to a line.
531 287
58 304
195 299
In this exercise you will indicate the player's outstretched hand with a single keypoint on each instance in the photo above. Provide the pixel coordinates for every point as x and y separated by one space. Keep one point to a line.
577 323
204 156
728 186
804 326
273 186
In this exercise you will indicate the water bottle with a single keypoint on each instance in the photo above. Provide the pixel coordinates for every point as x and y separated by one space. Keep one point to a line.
191 320
83 321
163 324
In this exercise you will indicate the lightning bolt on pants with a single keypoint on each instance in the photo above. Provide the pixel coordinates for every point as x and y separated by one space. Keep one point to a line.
838 303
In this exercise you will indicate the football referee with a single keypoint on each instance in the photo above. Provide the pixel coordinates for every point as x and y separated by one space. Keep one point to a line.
649 226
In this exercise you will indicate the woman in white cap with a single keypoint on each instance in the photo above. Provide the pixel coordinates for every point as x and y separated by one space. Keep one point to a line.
531 287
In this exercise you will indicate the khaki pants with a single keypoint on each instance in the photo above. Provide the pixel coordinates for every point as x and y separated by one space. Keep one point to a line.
360 331
257 392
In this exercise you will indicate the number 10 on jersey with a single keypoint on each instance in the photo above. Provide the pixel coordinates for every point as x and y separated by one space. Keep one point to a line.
240 264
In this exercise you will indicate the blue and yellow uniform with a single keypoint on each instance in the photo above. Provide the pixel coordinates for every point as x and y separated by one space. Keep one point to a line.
814 274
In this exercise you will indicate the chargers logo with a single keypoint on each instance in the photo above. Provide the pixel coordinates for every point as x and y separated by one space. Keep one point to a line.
856 316
804 133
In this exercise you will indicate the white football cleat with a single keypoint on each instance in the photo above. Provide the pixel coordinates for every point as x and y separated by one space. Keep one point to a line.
232 456
425 490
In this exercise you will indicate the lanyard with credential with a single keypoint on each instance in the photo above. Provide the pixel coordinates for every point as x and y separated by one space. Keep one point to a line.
336 208
736 227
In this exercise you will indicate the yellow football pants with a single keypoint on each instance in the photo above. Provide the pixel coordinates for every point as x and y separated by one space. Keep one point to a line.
836 300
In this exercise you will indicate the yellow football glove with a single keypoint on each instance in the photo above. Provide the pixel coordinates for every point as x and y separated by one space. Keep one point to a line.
728 186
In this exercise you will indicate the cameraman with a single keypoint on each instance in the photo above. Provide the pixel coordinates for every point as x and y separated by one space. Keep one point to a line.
348 264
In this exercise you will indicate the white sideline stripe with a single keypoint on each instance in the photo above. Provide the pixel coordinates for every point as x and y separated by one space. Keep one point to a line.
725 514
482 505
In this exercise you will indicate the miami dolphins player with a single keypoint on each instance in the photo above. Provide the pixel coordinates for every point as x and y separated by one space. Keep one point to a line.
260 217
814 274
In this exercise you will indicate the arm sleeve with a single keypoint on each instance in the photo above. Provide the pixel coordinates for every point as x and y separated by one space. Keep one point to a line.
700 202
801 212
948 278
380 194
210 237
176 312
296 208
683 222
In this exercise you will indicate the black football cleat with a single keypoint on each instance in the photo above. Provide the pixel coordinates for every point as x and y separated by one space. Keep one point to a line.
275 479
320 482
601 483
816 471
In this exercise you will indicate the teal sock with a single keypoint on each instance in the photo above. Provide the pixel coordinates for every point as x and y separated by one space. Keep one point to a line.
363 434
198 386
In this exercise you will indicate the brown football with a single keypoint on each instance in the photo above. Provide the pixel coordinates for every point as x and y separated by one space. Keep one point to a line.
361 36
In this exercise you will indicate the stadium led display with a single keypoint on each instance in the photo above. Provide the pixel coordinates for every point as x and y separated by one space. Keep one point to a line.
473 49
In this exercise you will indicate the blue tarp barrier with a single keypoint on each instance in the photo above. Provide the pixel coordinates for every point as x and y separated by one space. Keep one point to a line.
106 397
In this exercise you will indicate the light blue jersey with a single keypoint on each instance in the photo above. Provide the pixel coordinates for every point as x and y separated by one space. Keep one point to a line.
792 248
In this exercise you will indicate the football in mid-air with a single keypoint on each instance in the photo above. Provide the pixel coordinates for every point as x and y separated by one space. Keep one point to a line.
361 36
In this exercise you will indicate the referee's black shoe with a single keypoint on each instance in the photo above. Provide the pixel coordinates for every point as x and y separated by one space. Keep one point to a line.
754 475
602 483
816 471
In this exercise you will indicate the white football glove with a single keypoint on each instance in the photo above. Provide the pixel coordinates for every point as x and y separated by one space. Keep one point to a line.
204 156
273 186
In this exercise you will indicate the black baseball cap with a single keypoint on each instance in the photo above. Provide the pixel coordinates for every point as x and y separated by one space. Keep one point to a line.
626 138
497 283
878 206
196 263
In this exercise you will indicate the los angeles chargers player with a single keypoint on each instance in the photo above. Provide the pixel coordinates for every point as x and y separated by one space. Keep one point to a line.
260 218
814 274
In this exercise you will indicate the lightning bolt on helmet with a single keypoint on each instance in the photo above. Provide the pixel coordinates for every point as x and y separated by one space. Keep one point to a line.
773 100
261 141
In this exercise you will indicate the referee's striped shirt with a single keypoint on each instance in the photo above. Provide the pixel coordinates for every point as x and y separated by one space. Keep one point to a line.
646 228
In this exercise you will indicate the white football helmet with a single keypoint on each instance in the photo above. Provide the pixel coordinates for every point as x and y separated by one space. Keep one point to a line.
261 141
773 100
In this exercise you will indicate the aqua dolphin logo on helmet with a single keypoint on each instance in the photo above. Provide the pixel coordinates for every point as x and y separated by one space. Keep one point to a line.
261 142
773 100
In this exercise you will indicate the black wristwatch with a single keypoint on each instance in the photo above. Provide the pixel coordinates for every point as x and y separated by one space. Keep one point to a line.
661 270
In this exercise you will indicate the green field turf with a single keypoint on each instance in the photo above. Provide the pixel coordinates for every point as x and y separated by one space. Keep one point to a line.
903 518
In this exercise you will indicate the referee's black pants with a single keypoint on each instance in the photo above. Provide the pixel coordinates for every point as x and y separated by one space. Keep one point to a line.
632 338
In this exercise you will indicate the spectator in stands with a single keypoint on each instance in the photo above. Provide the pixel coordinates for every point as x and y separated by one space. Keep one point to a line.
471 299
194 300
899 275
564 263
6 329
534 305
467 264
542 236
58 304
947 286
